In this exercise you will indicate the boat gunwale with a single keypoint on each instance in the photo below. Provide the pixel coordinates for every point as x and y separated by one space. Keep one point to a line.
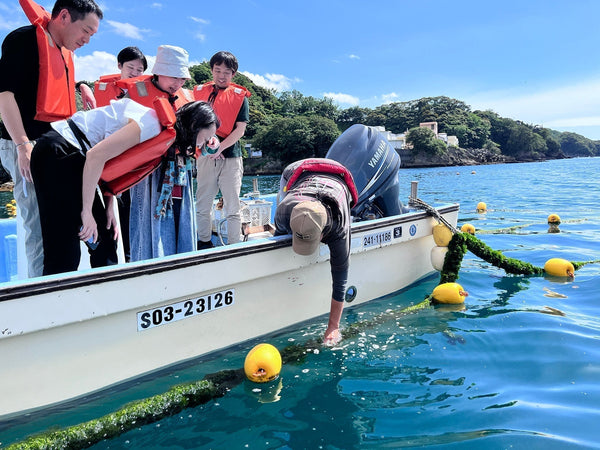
174 262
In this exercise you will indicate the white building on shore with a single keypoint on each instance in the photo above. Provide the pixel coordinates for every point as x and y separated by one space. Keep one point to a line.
398 141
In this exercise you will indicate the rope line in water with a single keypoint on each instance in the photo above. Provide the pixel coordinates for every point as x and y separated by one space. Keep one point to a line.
461 242
181 397
216 385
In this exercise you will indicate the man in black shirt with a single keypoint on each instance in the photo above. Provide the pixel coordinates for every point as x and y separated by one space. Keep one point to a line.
22 85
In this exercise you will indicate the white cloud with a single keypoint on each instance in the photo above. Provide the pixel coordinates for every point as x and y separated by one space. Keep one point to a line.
127 30
578 101
571 107
199 33
352 56
589 121
91 67
344 99
389 98
156 5
199 20
272 81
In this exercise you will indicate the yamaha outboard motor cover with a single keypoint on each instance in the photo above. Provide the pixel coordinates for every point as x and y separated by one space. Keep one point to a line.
374 164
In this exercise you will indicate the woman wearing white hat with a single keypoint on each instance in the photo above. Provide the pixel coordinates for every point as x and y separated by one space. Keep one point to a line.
162 214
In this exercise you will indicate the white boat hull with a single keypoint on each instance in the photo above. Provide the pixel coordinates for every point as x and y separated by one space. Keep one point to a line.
65 336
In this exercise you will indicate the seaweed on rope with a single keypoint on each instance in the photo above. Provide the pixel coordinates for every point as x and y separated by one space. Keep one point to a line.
181 397
216 385
461 242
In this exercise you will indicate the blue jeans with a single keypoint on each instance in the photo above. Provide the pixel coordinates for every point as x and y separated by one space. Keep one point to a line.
151 236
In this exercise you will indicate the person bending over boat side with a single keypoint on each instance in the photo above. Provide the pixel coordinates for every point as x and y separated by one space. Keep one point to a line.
155 231
75 211
37 88
131 63
314 206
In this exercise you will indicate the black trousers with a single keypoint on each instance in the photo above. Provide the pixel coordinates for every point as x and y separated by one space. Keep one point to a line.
124 204
57 171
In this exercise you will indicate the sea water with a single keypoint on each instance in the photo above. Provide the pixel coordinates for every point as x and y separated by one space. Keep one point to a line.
517 367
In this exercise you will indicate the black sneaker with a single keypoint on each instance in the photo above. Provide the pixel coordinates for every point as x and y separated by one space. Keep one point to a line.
203 245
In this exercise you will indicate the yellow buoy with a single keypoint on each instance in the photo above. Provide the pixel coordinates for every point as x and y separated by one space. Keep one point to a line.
468 228
559 267
451 293
554 219
441 235
263 363
481 207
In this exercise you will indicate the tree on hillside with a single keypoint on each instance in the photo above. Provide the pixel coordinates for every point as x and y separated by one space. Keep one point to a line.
423 141
443 110
574 144
295 104
473 133
352 116
289 139
395 117
500 127
524 143
200 74
552 143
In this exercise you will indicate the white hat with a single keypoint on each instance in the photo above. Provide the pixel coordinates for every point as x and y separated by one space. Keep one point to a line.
171 61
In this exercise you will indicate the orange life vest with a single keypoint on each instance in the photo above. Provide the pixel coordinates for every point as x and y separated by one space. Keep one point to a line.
227 104
56 82
134 164
106 89
142 90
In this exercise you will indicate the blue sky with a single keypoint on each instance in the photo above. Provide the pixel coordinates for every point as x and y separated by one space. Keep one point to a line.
530 60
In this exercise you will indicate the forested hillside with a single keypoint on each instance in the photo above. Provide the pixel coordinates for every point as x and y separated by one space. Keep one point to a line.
289 126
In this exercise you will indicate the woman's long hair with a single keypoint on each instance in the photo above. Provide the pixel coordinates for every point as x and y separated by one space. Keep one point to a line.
191 118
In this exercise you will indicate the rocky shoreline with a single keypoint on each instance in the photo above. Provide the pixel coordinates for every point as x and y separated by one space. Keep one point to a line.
453 157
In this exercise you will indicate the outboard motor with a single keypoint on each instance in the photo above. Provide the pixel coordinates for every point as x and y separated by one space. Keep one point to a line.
374 164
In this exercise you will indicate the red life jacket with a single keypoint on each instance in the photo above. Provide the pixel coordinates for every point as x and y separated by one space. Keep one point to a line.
227 104
106 89
56 82
142 90
133 165
324 165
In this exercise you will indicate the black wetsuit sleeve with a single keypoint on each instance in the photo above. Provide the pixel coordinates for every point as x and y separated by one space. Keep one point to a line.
339 251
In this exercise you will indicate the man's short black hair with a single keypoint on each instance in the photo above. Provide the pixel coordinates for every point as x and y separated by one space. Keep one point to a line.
226 58
78 9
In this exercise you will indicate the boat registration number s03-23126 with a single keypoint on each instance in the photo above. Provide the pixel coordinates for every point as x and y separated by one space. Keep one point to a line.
182 310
